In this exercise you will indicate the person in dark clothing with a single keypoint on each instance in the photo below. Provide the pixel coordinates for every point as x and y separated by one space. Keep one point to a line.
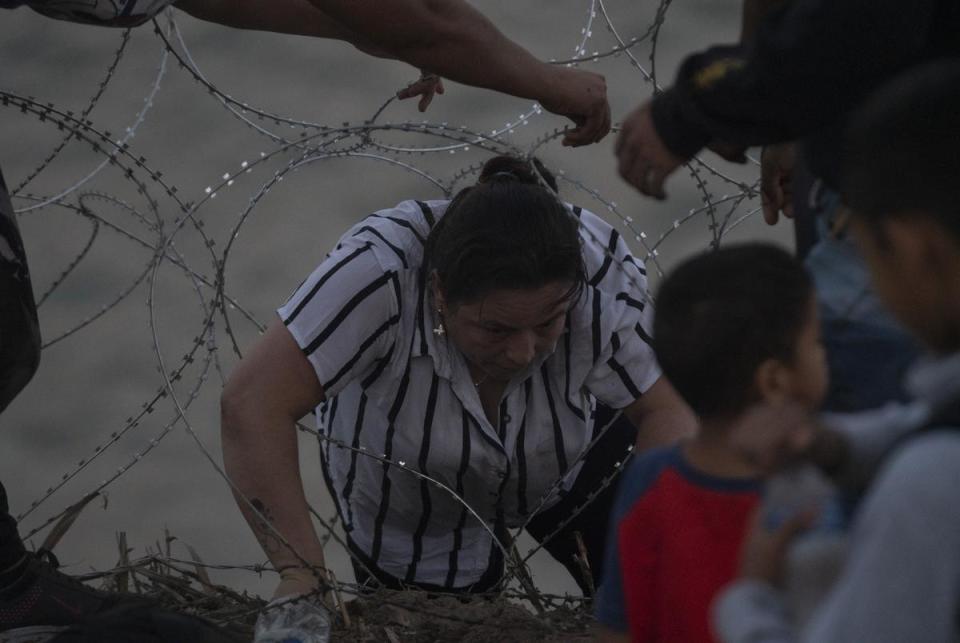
809 64
448 38
901 577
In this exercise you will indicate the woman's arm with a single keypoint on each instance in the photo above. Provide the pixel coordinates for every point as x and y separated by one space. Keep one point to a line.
661 416
271 388
296 17
446 37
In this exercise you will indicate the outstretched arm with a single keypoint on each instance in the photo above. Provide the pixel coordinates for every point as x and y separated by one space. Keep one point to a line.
446 37
273 387
296 17
808 62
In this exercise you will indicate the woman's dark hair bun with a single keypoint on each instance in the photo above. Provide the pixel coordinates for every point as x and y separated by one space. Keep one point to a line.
509 231
513 168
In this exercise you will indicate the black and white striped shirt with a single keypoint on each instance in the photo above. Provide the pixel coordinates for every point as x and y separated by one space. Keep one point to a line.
393 388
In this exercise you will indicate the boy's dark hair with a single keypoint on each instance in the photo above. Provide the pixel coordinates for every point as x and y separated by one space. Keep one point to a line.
510 230
723 313
902 155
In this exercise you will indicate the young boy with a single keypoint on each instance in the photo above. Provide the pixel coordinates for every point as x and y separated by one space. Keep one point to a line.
733 327
901 580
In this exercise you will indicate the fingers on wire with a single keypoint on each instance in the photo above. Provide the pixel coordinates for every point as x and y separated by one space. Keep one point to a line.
591 128
637 170
771 194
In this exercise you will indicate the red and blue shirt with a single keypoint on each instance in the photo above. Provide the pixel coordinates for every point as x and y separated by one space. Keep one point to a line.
674 543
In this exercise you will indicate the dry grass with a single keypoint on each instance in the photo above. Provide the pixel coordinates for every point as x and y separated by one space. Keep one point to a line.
411 616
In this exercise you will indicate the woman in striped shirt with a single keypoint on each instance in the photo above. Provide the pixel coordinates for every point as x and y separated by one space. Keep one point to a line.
465 359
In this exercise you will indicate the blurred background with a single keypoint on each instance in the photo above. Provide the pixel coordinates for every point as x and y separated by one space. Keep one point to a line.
126 398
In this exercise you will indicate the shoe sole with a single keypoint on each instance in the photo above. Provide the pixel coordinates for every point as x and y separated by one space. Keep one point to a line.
35 634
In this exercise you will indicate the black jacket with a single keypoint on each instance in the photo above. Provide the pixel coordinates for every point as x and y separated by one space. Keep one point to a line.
809 65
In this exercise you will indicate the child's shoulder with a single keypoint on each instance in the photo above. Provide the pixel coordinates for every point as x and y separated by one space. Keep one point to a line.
646 475
646 467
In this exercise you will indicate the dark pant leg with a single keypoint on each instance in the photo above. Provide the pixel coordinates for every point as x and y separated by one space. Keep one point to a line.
19 346
592 522
11 548
868 351
370 577
19 328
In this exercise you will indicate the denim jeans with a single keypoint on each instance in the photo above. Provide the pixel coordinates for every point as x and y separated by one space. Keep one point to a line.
868 351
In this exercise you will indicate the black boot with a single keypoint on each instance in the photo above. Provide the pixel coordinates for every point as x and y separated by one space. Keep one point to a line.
32 591
43 595
12 554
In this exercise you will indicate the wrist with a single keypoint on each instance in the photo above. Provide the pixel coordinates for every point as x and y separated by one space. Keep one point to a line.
297 571
547 83
302 579
680 136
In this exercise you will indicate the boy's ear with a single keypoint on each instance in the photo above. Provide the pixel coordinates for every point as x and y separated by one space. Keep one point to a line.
773 381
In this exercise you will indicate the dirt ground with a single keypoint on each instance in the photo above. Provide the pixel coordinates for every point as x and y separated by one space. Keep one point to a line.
414 617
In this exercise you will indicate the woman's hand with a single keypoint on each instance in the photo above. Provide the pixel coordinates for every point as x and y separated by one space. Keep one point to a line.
581 96
426 87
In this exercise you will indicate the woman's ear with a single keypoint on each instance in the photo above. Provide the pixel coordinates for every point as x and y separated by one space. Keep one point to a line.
773 381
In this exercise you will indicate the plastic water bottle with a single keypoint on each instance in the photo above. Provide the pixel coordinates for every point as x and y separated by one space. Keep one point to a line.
799 489
293 620
816 556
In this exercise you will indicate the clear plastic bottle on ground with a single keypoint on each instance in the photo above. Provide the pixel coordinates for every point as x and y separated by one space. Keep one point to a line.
293 620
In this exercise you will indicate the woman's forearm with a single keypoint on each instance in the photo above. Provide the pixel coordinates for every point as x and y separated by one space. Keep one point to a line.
272 387
295 17
261 457
661 416
447 37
